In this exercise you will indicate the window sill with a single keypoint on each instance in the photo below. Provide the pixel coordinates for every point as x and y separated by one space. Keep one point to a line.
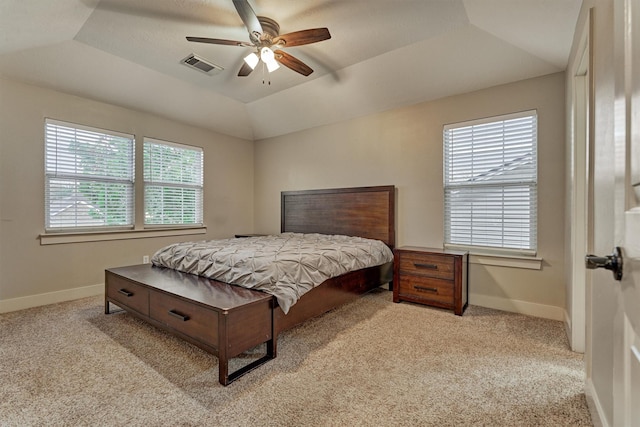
98 236
531 263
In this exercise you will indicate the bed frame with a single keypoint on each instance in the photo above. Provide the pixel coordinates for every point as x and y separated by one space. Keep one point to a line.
227 320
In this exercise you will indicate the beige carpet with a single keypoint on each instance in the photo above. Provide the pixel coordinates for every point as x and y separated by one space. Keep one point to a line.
371 362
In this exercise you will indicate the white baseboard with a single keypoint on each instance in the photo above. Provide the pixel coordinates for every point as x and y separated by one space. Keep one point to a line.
514 306
517 306
567 328
567 321
595 408
30 301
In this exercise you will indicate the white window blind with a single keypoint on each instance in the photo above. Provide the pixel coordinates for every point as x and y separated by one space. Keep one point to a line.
89 177
490 183
173 183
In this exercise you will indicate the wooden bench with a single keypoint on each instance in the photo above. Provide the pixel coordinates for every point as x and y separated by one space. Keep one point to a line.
222 319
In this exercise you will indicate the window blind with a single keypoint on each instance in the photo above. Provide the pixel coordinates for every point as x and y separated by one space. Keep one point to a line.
173 178
490 182
89 177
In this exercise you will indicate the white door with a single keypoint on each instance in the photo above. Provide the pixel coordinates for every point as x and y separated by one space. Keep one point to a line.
626 352
627 222
613 350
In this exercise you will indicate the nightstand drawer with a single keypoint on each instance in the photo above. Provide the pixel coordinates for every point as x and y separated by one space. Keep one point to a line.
129 293
427 265
195 321
426 288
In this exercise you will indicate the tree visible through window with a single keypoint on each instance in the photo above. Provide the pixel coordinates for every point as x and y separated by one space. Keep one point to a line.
490 182
173 176
89 177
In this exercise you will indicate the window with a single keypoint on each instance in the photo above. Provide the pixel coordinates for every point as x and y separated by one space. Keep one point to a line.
89 177
490 183
173 181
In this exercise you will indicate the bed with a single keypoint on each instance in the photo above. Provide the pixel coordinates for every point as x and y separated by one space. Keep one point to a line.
227 320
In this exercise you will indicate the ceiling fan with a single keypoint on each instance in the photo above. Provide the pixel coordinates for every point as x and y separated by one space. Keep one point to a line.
265 37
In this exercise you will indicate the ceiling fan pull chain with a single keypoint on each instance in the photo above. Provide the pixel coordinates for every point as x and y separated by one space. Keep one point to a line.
269 77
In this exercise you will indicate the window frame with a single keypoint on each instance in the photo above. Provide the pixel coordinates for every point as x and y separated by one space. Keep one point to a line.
55 171
55 236
531 182
150 182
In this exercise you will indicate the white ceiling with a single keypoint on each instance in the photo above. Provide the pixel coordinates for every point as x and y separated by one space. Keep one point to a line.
383 54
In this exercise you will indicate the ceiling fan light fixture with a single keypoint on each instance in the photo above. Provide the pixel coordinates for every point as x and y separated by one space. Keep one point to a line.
268 58
272 66
252 60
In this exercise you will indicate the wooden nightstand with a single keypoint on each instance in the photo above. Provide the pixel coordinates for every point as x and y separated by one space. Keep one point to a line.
432 277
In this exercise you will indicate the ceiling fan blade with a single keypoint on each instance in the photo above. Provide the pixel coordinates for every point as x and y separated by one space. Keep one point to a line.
249 18
219 41
245 70
298 38
292 62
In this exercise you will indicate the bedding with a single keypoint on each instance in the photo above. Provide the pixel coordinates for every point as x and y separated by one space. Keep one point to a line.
286 265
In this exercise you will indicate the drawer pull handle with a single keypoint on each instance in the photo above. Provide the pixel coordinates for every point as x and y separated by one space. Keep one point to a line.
125 292
178 315
429 266
425 289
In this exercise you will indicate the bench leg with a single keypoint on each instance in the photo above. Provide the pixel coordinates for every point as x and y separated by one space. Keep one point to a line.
225 378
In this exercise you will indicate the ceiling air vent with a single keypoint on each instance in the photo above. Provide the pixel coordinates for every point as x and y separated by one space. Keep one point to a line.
201 64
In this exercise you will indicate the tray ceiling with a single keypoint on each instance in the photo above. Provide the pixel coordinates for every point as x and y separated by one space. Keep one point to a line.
383 54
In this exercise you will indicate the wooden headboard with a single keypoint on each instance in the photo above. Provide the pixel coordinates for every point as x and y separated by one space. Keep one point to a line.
361 211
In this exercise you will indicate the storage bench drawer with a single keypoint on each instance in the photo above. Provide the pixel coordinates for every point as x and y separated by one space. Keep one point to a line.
131 294
186 317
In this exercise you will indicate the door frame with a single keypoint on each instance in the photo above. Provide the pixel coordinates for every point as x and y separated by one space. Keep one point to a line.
580 189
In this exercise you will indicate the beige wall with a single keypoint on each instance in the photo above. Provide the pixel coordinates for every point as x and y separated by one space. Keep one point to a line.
28 269
403 147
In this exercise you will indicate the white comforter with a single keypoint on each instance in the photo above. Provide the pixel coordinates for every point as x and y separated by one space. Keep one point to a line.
285 265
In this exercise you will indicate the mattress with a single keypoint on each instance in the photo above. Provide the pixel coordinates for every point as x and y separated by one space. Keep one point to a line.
285 265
